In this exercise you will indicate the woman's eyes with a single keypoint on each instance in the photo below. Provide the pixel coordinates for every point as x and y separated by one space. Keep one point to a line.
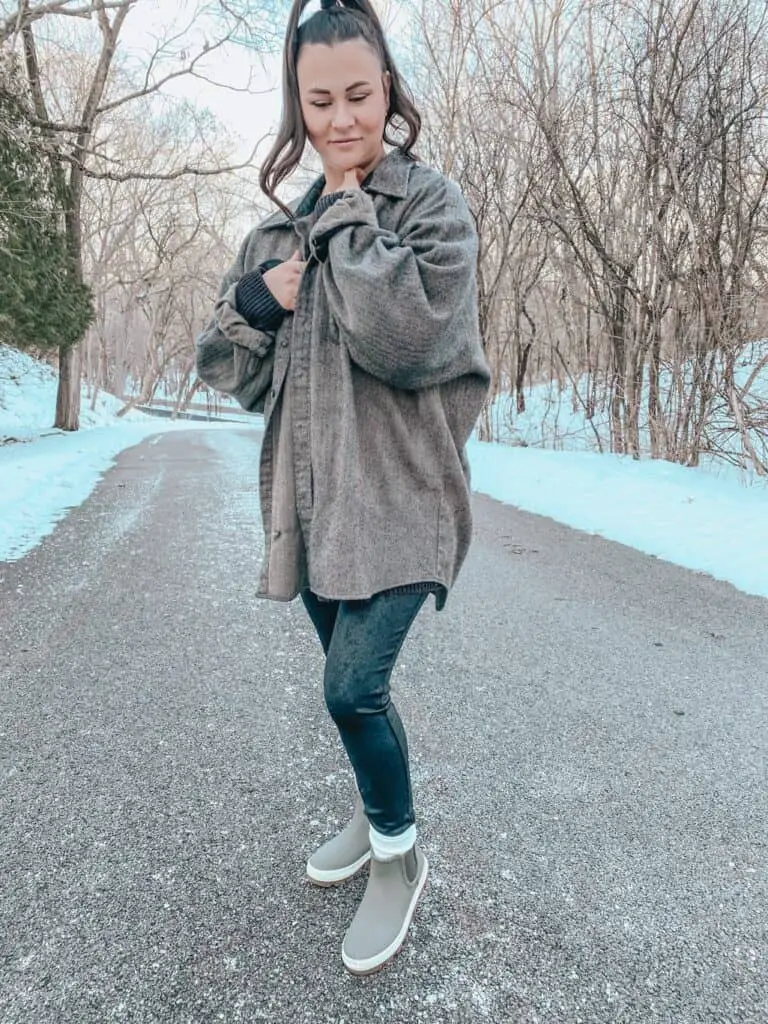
352 99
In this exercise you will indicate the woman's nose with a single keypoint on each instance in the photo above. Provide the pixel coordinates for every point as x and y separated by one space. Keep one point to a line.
343 116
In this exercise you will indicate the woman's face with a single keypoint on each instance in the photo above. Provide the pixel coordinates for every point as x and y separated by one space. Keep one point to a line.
344 101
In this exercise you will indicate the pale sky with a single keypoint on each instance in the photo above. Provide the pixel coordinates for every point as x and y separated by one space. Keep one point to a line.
245 116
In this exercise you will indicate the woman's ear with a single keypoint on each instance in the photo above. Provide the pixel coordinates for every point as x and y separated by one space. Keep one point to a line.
386 80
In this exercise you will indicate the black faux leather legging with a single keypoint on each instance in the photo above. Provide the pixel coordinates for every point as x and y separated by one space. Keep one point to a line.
362 640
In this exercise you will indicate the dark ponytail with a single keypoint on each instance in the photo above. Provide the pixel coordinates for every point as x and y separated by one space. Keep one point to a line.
338 21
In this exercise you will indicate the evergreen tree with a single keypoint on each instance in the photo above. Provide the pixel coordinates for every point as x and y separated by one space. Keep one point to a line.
41 302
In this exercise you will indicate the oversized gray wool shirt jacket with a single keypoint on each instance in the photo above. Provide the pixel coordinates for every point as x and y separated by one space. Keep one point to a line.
370 390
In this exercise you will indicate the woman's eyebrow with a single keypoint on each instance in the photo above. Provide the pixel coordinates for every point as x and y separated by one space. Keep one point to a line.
327 92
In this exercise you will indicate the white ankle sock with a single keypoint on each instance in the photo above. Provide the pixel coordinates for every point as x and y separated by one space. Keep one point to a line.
388 847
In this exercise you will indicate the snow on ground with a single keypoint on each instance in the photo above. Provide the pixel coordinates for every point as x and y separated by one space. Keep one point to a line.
45 473
690 517
710 519
554 416
713 519
28 399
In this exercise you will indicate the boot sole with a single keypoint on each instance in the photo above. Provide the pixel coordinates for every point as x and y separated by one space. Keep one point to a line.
326 878
375 963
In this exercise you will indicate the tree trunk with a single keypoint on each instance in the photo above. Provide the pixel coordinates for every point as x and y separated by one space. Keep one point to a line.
68 394
655 418
484 429
186 392
634 399
524 352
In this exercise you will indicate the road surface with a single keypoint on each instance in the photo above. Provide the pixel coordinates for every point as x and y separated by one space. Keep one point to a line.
589 733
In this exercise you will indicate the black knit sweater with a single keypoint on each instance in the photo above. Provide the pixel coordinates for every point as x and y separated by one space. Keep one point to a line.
254 301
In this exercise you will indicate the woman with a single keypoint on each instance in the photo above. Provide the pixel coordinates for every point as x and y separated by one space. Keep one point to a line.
350 321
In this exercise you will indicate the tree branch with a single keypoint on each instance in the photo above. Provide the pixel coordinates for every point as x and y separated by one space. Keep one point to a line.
179 172
152 87
28 15
109 34
33 72
53 126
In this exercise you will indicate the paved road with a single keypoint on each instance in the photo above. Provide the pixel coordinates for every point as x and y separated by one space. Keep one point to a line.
589 731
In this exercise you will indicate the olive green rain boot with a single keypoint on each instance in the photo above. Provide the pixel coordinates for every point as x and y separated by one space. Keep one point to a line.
344 855
381 923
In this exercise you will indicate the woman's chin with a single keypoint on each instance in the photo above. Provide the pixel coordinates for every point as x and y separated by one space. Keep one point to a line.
338 162
343 159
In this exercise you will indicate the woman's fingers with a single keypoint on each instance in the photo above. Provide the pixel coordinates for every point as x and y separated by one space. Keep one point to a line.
284 280
353 178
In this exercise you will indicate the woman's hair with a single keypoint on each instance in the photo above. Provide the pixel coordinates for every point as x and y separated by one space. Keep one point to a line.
337 21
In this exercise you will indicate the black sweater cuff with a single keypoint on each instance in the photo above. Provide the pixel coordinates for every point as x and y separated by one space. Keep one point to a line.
326 202
256 303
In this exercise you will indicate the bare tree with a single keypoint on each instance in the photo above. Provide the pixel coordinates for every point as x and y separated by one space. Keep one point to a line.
615 156
78 149
470 135
153 247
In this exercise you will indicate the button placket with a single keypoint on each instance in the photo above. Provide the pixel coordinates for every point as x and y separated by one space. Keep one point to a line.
300 395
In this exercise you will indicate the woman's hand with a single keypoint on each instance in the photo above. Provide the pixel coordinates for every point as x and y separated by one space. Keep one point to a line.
284 281
353 178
